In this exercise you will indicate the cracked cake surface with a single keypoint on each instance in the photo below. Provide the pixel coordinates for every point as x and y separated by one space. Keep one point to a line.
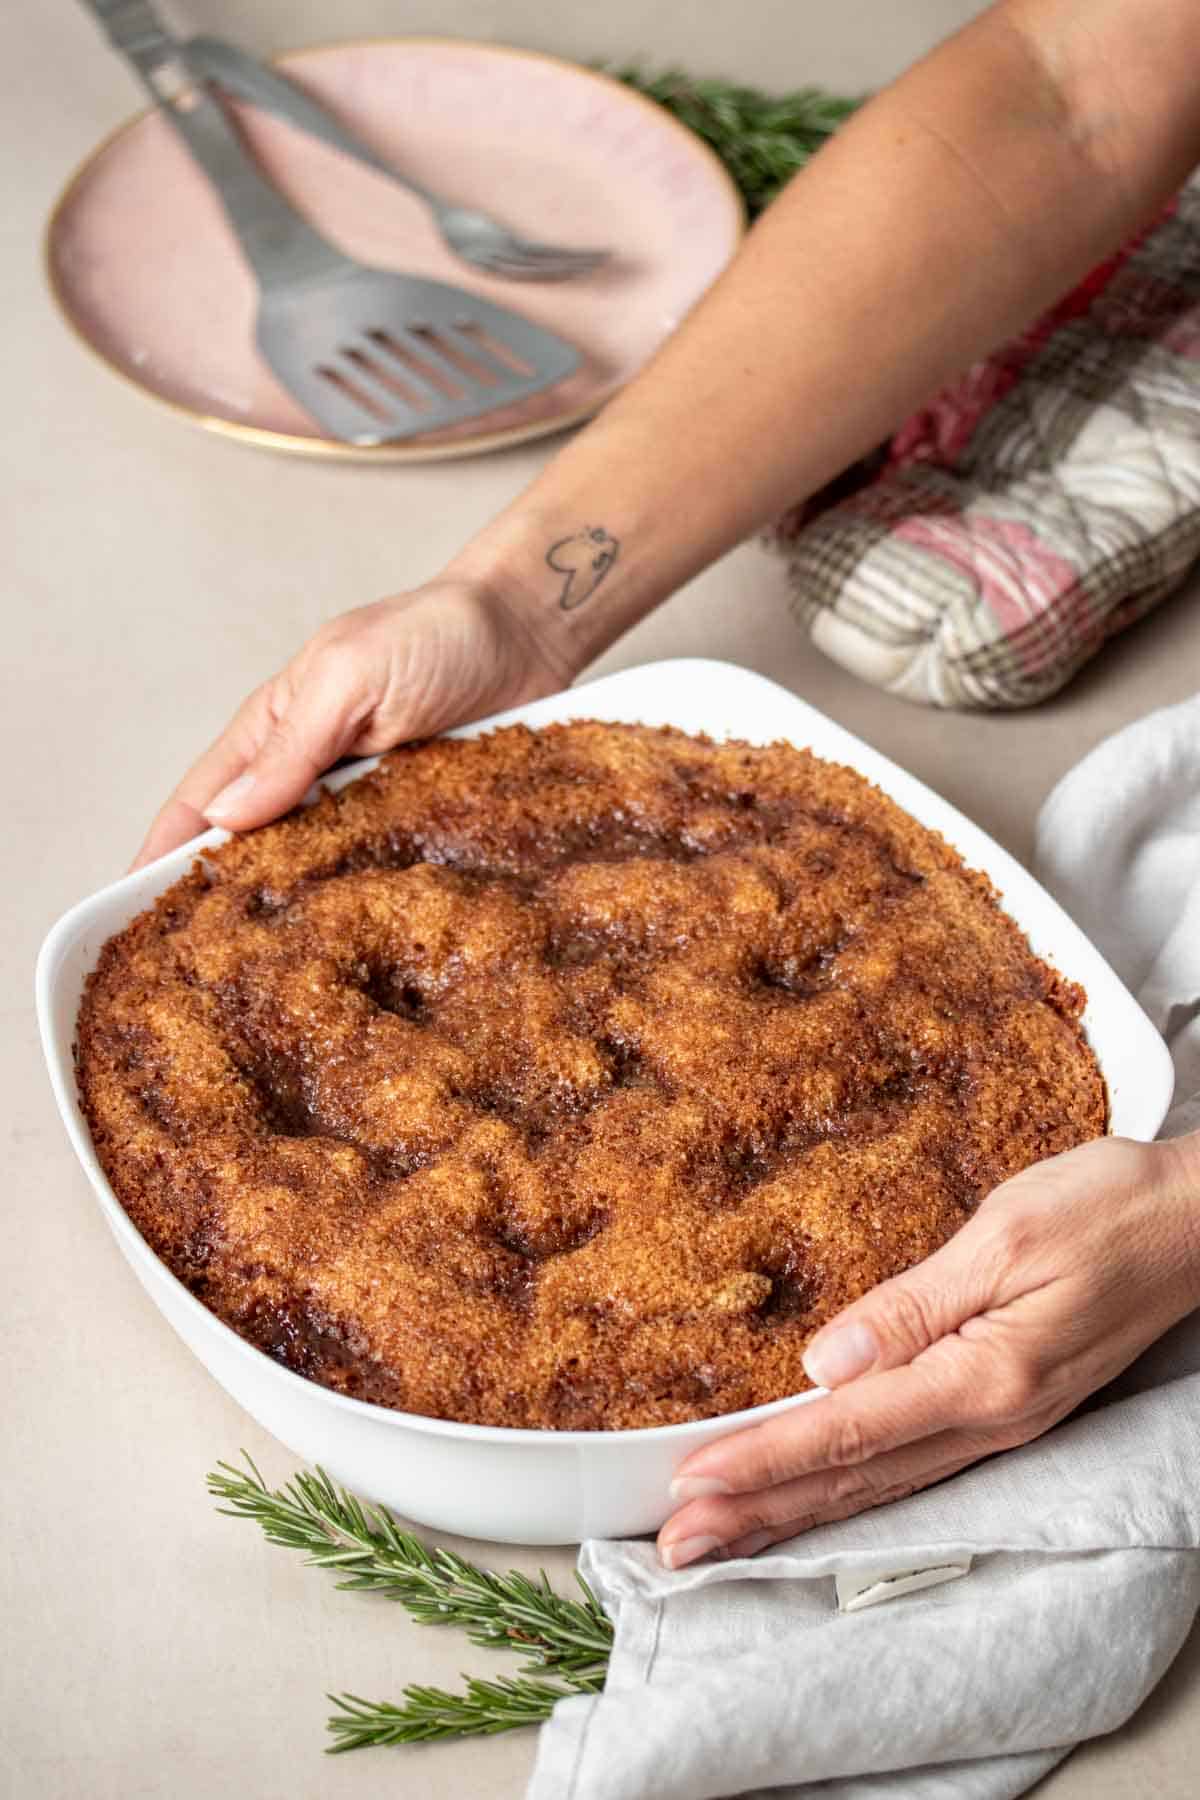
572 1078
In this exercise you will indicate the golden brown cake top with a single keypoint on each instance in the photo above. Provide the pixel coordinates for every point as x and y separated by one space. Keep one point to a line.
572 1078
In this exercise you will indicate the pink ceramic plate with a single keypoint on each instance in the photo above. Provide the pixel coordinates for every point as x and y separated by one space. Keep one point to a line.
145 269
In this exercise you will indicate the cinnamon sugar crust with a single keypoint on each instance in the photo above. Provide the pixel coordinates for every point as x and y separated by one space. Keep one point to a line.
572 1078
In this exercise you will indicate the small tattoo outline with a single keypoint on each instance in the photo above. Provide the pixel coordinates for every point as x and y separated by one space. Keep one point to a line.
585 557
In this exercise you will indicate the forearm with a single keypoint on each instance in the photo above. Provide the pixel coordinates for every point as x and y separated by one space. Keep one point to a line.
946 214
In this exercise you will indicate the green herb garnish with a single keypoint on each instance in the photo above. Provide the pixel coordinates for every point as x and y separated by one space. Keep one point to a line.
564 1638
761 138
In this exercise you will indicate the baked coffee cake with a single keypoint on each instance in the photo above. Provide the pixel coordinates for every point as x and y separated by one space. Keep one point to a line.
574 1077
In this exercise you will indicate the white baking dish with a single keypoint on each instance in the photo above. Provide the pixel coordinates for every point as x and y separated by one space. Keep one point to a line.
543 1487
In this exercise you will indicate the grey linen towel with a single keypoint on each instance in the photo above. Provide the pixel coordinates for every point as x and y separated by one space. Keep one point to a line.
1084 1547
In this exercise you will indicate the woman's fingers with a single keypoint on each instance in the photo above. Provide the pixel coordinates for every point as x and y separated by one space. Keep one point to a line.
898 1371
900 1318
185 814
175 824
394 670
322 719
1061 1278
843 1430
361 686
286 734
894 1478
399 669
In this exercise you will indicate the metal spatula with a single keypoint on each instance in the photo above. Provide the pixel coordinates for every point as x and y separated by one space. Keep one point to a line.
371 354
475 236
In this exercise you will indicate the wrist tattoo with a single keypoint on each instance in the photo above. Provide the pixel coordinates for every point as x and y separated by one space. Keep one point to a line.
584 559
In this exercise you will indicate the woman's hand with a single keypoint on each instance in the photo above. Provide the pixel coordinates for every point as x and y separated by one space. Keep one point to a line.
1064 1275
403 668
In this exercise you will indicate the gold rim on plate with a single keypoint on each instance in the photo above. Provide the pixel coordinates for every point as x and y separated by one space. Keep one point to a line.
410 450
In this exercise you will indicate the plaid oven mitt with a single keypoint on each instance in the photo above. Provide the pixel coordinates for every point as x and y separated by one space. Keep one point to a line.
1045 501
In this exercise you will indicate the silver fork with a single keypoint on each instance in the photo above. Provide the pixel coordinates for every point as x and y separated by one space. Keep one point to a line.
475 236
371 354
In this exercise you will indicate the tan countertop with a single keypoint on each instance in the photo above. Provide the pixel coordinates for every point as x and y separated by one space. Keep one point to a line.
152 575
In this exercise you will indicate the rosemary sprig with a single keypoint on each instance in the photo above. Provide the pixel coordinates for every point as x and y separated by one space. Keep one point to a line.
363 1544
761 138
484 1708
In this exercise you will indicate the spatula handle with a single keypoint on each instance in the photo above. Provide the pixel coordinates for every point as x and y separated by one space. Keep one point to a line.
277 242
246 78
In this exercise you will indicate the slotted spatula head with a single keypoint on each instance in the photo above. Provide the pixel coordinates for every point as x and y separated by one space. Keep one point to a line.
376 356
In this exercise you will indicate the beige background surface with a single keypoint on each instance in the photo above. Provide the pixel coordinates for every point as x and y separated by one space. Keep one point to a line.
152 574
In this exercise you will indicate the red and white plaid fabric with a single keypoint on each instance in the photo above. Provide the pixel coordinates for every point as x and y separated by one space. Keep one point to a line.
1045 501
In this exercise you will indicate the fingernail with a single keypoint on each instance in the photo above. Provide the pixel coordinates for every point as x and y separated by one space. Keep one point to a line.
229 798
845 1353
698 1487
687 1550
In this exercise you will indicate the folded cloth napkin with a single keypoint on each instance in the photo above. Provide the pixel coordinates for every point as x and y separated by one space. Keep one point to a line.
1042 503
1084 1547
